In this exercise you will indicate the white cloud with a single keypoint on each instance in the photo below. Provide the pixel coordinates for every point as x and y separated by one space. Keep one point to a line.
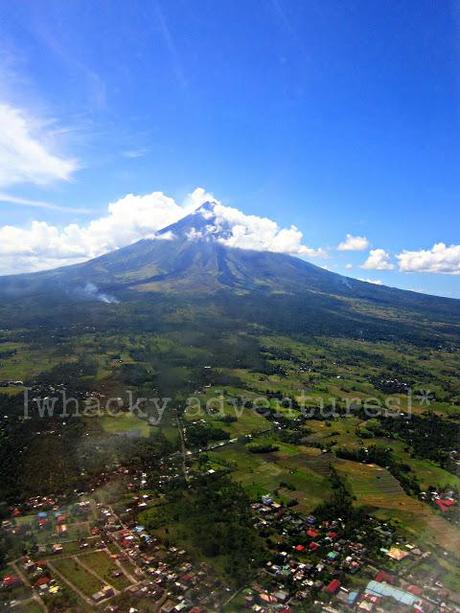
25 155
378 259
374 281
198 197
353 243
42 245
349 266
439 259
261 233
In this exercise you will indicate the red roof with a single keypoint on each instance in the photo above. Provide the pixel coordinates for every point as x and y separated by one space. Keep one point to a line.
10 580
124 533
311 532
444 508
448 502
415 589
333 586
332 534
42 581
383 576
314 546
299 547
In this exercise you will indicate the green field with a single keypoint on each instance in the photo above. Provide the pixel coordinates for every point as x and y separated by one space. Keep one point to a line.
376 489
104 567
125 423
269 473
78 576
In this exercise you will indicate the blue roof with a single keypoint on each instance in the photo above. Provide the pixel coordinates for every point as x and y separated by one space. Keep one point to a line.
384 589
352 596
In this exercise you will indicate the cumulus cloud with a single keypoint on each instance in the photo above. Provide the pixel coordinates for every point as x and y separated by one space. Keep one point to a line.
261 233
42 245
439 259
353 243
25 151
378 259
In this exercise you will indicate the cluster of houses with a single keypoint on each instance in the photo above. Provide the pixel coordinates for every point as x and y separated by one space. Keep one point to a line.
40 578
165 575
11 383
326 564
37 576
37 519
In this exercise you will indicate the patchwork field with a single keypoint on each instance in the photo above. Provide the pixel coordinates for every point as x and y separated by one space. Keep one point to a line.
286 471
100 563
78 576
376 488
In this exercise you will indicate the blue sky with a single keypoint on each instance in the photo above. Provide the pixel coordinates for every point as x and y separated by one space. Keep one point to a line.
340 118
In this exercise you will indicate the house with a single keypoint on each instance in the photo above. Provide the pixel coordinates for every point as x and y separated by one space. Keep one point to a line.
168 607
444 504
10 581
43 581
342 597
374 588
29 566
352 598
333 586
281 596
107 590
397 554
384 577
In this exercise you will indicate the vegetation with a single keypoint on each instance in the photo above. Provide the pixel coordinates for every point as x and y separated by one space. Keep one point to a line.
215 518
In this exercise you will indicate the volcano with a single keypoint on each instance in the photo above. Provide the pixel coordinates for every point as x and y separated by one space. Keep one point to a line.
191 261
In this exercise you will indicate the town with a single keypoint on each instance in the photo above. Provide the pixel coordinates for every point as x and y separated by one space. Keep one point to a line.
94 555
